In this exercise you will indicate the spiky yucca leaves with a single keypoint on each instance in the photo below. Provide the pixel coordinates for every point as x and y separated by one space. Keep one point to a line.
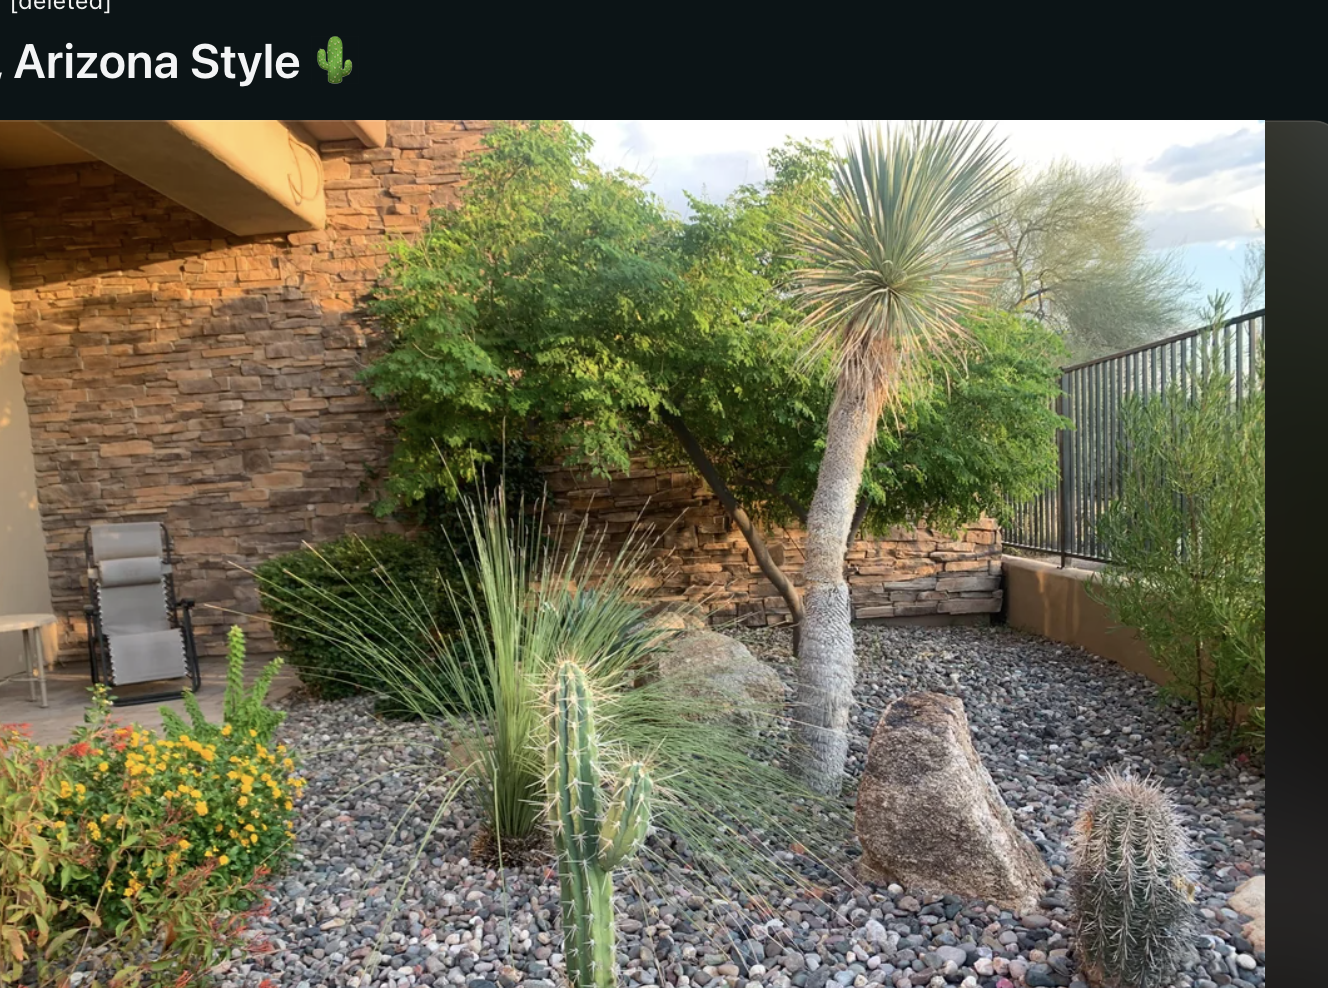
243 709
725 809
591 839
1130 881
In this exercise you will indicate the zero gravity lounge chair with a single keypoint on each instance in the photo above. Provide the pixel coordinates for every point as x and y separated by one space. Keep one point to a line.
137 631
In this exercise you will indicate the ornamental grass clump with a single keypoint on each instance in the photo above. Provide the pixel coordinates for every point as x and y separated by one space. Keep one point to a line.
1130 883
532 593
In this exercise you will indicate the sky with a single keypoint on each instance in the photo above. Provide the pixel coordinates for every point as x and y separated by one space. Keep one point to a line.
1203 180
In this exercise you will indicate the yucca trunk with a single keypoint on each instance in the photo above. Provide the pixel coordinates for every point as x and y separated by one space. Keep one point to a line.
826 665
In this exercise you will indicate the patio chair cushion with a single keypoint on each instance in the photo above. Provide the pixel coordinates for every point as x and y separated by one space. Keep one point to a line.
141 658
131 572
126 541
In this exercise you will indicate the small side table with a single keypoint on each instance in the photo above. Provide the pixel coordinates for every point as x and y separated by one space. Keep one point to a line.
31 625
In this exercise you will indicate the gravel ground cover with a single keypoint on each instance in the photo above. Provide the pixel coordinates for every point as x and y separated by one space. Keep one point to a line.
363 906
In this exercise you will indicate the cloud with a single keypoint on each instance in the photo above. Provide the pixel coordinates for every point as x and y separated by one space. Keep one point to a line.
1209 224
1238 157
708 176
636 138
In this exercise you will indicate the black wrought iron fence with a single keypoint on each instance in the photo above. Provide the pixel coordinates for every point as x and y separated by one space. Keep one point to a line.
1063 520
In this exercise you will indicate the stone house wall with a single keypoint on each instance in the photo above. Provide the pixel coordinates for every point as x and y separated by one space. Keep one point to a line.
702 558
175 371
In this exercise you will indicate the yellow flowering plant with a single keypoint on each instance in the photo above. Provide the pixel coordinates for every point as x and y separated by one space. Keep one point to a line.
131 839
80 893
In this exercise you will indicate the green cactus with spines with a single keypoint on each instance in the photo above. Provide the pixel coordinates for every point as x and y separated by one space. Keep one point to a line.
1130 884
330 61
591 838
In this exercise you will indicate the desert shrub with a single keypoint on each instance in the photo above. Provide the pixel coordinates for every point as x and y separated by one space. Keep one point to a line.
389 580
1186 539
126 850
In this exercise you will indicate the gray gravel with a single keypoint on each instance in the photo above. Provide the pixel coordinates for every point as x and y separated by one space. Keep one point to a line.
356 909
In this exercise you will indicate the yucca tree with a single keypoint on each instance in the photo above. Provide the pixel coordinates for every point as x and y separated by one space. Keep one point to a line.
901 247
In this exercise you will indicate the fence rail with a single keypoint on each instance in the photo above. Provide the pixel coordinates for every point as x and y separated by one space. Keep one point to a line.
1063 520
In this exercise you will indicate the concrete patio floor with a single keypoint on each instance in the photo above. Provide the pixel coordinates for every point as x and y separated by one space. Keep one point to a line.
67 692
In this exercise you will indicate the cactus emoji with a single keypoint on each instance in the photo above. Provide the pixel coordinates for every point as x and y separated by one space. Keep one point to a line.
591 838
330 60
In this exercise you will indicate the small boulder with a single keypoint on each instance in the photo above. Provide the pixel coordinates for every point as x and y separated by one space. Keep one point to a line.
929 815
1249 899
727 677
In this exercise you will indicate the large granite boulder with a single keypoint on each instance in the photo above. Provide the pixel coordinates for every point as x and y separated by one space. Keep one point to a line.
728 679
929 816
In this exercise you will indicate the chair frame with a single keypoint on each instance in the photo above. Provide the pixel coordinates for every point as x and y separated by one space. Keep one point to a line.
179 612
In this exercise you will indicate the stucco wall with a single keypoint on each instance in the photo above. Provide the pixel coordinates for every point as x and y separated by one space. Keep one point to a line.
1054 603
23 579
175 371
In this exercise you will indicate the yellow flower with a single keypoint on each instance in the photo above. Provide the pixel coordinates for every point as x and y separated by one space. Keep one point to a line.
66 790
201 808
225 730
102 767
183 844
244 801
253 733
223 860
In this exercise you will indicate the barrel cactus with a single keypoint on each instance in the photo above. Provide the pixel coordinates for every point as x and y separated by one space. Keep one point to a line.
1130 882
592 833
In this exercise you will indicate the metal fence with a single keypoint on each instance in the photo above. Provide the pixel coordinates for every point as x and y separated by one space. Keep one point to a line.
1063 520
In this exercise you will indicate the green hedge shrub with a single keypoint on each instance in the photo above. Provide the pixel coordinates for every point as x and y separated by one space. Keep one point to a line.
330 602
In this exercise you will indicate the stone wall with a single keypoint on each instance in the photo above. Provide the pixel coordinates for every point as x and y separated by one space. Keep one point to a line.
702 558
174 371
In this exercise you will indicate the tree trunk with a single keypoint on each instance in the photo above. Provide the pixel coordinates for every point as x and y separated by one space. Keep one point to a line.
826 660
692 447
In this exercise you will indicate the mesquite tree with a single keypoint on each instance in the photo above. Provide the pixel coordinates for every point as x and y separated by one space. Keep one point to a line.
561 308
893 257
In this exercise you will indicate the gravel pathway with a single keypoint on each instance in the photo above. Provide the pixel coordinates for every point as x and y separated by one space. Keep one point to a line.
1044 717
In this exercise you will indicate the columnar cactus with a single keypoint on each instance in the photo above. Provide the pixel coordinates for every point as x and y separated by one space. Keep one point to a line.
1129 879
330 61
591 838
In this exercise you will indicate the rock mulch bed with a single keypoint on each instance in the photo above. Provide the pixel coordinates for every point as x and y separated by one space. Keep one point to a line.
1045 718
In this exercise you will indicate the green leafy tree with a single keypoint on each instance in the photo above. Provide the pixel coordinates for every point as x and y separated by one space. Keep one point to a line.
893 257
563 308
1077 257
1186 537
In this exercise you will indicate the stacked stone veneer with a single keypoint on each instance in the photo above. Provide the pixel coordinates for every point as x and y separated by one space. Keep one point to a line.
701 557
174 371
